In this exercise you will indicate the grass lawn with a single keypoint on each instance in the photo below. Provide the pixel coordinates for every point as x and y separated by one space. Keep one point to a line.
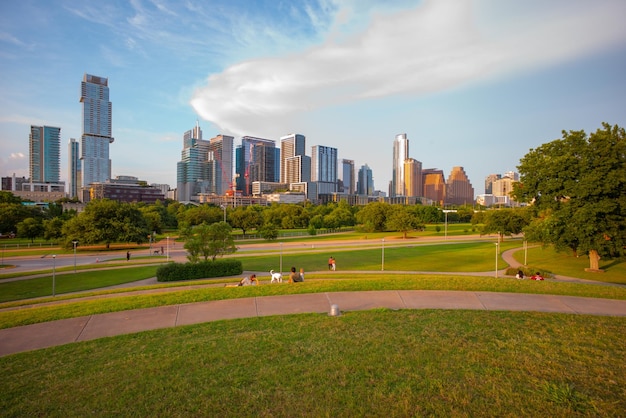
70 282
372 363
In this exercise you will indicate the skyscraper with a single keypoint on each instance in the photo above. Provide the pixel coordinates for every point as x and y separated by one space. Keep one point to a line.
400 153
413 183
255 161
365 183
45 154
192 170
96 137
434 185
324 164
220 163
348 176
74 173
295 167
459 190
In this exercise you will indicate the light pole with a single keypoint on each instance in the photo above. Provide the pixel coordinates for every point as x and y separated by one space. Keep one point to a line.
167 239
75 243
224 209
281 258
525 252
497 244
382 263
446 211
54 271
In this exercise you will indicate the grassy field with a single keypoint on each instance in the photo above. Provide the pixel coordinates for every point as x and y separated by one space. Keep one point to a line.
374 363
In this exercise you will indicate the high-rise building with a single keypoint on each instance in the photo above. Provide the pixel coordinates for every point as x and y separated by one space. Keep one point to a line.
413 183
295 167
192 170
255 160
489 180
45 154
347 169
220 163
459 190
324 164
365 182
400 153
434 185
96 137
74 173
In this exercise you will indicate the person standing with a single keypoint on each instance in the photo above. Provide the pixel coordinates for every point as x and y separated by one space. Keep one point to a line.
127 255
333 264
330 263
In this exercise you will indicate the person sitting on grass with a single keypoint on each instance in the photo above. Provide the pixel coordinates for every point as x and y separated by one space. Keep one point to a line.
537 276
294 276
249 281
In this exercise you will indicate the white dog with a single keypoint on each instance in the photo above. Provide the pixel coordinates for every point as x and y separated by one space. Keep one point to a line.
276 277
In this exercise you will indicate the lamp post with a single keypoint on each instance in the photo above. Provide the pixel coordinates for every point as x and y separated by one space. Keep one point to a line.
167 240
382 263
497 244
525 252
281 258
54 271
224 209
446 211
75 243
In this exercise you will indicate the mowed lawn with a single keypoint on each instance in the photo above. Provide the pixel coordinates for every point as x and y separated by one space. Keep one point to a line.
372 363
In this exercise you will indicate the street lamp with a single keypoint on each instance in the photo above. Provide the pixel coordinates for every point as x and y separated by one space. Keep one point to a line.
74 242
54 270
224 208
446 211
525 252
167 239
497 244
281 258
382 264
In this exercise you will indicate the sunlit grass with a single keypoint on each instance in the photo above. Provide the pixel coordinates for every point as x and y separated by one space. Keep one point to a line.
374 363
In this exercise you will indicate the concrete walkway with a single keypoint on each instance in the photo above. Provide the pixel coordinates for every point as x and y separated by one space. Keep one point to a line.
54 333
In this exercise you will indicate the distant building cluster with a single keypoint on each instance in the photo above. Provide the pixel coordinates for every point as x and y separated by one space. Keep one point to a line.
214 171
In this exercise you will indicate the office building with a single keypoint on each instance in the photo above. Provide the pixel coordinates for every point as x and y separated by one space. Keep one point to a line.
191 170
295 166
459 190
400 153
74 172
220 165
255 160
489 180
97 125
348 179
45 154
365 182
434 185
324 164
413 183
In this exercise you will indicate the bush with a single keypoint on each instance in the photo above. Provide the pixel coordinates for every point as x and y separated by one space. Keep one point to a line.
191 271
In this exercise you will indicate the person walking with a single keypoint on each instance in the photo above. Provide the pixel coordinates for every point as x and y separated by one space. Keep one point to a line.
127 255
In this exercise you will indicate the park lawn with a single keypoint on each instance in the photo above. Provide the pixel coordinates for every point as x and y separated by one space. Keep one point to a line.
442 257
371 363
566 264
70 282
117 300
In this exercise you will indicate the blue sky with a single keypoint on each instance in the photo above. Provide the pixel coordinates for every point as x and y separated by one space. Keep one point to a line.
472 83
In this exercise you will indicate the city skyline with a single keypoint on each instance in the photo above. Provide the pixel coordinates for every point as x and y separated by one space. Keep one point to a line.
474 85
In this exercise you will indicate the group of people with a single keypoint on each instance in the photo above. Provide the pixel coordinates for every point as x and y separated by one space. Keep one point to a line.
294 277
536 276
332 264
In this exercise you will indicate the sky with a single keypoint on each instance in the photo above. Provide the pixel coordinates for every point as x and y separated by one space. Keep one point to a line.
473 83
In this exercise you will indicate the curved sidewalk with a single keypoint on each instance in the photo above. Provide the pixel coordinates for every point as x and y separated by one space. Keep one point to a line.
54 333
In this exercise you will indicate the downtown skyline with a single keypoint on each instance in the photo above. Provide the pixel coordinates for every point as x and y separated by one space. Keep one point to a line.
474 85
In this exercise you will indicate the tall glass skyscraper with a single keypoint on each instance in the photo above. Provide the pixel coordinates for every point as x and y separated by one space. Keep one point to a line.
348 176
400 153
255 161
73 168
45 154
365 183
295 166
96 137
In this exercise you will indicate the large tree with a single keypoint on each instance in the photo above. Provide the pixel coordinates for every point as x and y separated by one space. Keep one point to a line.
577 185
210 241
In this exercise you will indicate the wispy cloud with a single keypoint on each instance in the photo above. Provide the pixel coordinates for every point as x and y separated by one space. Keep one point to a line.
434 47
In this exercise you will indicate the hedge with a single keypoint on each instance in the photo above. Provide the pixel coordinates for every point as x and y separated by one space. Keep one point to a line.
172 272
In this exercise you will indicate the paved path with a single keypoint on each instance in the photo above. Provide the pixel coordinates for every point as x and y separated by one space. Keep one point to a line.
49 334
54 333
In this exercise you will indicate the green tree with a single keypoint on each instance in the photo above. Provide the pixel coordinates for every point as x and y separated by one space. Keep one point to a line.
269 232
504 222
245 218
401 218
373 216
577 187
210 241
53 229
30 228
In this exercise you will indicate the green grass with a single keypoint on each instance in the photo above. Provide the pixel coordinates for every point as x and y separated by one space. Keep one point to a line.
321 283
448 257
546 258
70 282
373 363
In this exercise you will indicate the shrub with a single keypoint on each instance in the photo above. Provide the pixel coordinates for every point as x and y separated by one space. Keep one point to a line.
191 271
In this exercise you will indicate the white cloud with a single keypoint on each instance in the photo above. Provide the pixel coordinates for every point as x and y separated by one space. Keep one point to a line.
434 47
